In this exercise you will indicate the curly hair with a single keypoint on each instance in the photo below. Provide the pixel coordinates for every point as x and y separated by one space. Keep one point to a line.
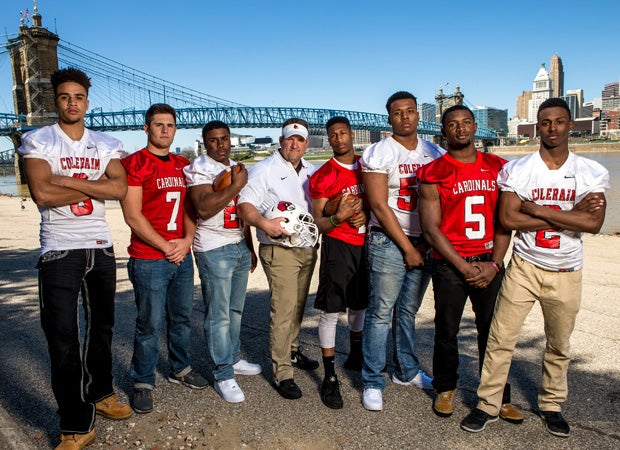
400 95
70 74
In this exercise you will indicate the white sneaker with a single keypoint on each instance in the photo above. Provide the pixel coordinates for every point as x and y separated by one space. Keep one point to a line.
242 367
421 380
230 391
372 399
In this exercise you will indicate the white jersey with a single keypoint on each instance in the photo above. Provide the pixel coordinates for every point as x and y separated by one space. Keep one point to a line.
273 180
388 156
225 227
81 225
531 179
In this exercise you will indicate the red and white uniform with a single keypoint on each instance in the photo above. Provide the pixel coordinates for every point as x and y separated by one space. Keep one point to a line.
225 227
400 164
81 225
468 195
334 178
163 197
531 179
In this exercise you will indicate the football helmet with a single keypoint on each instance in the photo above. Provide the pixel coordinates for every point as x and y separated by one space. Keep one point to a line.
300 224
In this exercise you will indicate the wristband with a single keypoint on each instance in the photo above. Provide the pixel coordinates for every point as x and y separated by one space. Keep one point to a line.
496 266
331 220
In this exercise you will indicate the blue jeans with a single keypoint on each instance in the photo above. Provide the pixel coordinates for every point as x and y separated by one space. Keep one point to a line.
224 275
79 379
161 287
392 288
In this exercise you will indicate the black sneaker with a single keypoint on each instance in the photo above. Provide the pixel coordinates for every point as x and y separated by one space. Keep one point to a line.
302 362
556 424
477 420
192 379
330 393
287 389
142 401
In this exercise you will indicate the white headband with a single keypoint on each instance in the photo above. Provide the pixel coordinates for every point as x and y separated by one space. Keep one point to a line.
294 128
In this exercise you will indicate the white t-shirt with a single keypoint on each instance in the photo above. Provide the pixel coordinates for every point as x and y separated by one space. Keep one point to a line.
225 227
273 180
80 225
531 179
400 164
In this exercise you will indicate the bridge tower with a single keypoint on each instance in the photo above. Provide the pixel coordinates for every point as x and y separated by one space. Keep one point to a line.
34 57
443 102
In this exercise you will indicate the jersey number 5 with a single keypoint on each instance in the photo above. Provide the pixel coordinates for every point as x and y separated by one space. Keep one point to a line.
407 195
479 231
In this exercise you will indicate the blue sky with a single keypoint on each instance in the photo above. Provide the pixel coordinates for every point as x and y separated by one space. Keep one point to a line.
337 54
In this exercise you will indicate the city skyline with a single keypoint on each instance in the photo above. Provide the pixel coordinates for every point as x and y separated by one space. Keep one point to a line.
340 56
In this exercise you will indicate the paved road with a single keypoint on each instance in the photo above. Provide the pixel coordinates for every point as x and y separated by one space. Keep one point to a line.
200 419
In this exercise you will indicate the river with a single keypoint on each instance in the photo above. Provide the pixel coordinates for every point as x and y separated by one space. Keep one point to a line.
611 160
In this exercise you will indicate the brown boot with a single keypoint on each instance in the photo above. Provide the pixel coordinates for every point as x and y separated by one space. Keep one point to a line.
75 441
510 414
110 408
443 405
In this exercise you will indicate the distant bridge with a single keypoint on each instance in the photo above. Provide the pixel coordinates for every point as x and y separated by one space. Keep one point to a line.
7 157
236 117
122 94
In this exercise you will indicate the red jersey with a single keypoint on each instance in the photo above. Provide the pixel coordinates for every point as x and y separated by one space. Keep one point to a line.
468 194
163 197
331 179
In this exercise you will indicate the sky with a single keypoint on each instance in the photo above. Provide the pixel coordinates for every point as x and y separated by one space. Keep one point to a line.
341 54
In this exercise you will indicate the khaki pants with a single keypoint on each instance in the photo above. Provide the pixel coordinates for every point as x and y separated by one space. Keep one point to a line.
559 294
289 271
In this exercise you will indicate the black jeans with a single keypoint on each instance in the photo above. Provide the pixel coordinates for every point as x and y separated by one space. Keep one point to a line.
78 382
451 292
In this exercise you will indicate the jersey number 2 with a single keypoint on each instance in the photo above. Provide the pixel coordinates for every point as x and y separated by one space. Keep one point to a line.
547 238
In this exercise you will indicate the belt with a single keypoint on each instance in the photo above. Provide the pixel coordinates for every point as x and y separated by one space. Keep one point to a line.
415 240
485 257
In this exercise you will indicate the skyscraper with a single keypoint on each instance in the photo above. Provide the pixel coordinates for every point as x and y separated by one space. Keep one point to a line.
557 76
427 112
611 90
492 118
541 91
611 96
523 101
574 98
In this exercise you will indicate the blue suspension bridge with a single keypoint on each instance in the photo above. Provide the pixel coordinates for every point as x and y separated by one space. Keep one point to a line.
122 95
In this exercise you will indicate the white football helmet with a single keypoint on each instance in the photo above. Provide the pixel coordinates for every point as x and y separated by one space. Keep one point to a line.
300 224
